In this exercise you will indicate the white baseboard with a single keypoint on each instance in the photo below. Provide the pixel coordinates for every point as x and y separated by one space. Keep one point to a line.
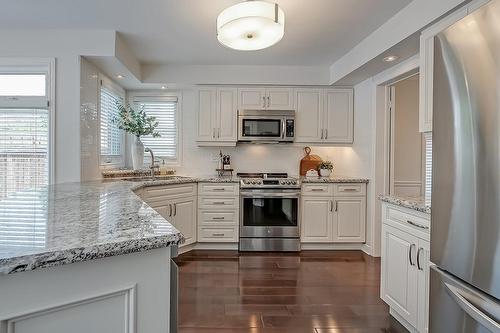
216 246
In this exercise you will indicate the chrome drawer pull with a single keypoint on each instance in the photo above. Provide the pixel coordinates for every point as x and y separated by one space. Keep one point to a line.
417 225
217 235
317 190
219 203
218 218
219 189
349 189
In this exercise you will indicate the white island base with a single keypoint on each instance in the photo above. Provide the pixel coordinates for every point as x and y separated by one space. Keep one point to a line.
125 293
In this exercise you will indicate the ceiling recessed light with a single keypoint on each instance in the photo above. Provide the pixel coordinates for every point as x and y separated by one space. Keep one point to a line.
251 25
119 76
163 87
391 58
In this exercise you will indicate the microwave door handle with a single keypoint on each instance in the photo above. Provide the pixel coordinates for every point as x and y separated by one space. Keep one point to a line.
283 128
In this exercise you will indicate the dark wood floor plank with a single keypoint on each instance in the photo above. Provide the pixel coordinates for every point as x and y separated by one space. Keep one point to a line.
307 292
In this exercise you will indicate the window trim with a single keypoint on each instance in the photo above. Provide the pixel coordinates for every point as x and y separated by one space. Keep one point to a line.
162 94
45 65
103 80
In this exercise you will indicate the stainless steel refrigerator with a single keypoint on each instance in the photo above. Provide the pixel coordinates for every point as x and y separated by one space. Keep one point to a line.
465 225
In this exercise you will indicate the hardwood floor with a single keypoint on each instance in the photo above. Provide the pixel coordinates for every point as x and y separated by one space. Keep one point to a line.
310 292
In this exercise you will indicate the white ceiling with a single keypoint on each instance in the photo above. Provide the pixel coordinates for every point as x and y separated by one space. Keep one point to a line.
317 32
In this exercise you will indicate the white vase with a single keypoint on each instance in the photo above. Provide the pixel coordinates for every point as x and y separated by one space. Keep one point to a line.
325 172
137 150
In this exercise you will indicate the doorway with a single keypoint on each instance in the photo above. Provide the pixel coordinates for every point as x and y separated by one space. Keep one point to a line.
406 143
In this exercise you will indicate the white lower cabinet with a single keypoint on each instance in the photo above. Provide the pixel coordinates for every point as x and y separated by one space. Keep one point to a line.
218 212
177 204
327 218
405 269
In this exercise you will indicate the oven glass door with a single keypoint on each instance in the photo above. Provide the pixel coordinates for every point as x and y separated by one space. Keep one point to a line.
270 217
261 128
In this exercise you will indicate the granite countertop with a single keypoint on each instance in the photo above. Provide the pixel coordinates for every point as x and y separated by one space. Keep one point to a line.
415 203
333 179
74 222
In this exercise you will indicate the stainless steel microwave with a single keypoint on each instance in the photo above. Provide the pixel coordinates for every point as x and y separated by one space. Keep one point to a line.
266 126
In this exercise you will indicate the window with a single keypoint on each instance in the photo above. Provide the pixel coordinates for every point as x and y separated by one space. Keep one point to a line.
428 167
24 129
165 109
111 137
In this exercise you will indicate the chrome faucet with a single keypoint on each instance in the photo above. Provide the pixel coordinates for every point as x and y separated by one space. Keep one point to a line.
153 166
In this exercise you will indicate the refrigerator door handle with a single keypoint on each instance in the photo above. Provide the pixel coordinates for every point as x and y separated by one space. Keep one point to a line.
467 301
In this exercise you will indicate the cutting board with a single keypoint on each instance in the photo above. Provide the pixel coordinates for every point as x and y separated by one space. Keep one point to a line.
309 162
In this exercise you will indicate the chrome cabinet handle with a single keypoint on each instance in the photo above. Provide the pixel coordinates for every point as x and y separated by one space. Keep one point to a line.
417 225
264 101
349 189
410 256
219 203
420 268
326 133
322 134
170 210
175 209
213 133
219 189
218 235
331 206
218 218
336 205
317 190
268 101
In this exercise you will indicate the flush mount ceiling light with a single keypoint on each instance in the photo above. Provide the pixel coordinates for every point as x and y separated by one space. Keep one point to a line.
251 25
391 58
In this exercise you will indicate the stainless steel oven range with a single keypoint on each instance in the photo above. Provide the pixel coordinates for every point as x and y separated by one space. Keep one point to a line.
269 212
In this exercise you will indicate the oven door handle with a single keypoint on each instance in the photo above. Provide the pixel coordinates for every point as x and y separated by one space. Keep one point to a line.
269 195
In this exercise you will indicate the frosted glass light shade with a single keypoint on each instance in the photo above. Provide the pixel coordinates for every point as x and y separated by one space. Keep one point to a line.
251 25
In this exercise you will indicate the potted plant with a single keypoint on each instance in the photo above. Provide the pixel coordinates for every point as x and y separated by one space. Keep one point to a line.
325 168
138 123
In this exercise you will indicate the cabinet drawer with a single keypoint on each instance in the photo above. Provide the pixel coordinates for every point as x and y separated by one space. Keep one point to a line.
217 217
219 189
412 222
207 234
219 203
349 189
155 193
317 189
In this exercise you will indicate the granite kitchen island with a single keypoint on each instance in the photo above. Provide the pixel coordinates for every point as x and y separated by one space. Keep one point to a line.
84 257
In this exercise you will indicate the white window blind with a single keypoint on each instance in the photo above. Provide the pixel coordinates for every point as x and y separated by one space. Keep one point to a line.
428 167
111 135
165 110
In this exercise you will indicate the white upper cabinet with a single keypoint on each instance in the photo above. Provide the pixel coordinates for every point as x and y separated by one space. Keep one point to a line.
252 98
338 116
226 113
265 98
217 116
279 99
309 113
324 115
206 113
427 61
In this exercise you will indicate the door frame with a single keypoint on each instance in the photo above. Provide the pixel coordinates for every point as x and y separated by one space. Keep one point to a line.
381 139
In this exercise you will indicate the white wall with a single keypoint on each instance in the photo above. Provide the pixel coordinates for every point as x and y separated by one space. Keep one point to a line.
65 46
408 141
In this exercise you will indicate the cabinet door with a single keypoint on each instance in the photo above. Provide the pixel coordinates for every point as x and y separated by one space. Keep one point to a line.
426 71
252 98
279 98
309 110
184 217
339 116
399 281
349 220
207 114
227 114
423 285
316 220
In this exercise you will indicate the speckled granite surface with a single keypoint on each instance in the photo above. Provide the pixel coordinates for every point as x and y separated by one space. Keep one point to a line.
75 222
414 203
333 179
